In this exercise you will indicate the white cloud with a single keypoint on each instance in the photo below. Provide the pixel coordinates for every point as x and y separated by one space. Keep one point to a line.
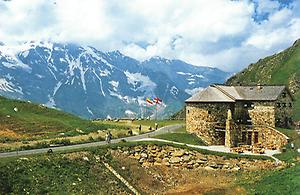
217 33
267 6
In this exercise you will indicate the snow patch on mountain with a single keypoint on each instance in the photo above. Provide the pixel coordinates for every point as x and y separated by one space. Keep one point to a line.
7 86
8 65
25 53
89 110
174 90
90 51
140 82
57 86
104 73
114 84
191 75
130 113
100 83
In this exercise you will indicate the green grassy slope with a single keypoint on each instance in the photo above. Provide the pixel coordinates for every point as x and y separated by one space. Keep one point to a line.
41 122
279 69
59 174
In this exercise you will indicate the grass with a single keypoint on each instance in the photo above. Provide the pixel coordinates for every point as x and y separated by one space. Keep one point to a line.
69 173
36 126
280 181
291 153
283 181
161 123
181 135
59 174
33 121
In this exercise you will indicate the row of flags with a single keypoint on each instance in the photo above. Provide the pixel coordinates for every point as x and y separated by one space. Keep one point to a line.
153 101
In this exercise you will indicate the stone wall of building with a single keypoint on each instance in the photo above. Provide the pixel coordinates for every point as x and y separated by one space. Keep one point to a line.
284 110
203 118
241 115
271 138
262 116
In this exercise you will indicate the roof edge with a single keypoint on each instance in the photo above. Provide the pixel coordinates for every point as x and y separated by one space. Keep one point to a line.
224 92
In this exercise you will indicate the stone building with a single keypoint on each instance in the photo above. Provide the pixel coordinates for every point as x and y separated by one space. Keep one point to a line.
234 115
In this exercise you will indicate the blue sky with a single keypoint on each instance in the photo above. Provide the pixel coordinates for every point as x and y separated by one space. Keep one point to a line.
227 34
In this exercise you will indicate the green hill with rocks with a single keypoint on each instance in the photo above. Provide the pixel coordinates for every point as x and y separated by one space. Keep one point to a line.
279 69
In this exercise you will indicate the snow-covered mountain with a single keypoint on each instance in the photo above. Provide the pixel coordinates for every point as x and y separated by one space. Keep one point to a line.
90 83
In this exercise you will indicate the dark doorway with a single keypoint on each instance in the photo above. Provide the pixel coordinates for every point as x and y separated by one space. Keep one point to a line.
244 137
286 122
222 137
255 137
249 140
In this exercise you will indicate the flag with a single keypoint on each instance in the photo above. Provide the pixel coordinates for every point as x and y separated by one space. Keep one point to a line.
149 101
157 100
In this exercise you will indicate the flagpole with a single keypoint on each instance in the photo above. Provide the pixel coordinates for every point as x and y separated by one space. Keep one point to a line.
156 112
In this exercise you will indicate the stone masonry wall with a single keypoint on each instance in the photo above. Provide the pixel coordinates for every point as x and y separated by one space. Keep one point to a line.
270 138
202 118
263 116
284 110
152 155
263 121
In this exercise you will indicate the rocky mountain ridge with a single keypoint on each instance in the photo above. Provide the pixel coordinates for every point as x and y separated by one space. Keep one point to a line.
94 84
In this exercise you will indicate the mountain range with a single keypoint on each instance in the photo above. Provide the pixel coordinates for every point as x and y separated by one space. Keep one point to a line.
94 84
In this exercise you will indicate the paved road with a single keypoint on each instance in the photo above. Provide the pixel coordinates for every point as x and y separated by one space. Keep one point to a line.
162 130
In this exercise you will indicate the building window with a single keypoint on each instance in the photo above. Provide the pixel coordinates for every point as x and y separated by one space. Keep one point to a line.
290 105
188 111
283 95
283 104
209 112
278 105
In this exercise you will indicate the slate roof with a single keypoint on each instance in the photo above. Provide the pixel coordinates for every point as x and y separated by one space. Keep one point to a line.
210 94
223 93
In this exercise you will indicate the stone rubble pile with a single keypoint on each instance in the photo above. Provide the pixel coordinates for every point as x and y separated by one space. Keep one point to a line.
153 155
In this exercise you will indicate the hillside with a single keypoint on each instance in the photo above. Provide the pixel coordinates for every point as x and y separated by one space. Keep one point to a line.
279 69
20 120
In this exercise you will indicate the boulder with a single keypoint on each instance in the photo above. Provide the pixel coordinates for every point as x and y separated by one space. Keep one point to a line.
213 165
137 156
186 158
208 168
174 160
236 168
144 155
201 162
178 153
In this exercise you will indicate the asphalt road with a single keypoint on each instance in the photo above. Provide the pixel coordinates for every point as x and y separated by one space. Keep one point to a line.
162 130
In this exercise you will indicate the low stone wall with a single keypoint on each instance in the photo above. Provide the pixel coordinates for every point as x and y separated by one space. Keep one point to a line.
152 155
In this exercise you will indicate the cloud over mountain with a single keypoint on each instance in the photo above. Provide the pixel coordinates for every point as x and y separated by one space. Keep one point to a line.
221 33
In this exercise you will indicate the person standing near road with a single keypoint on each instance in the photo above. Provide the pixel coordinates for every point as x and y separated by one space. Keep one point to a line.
156 126
108 137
